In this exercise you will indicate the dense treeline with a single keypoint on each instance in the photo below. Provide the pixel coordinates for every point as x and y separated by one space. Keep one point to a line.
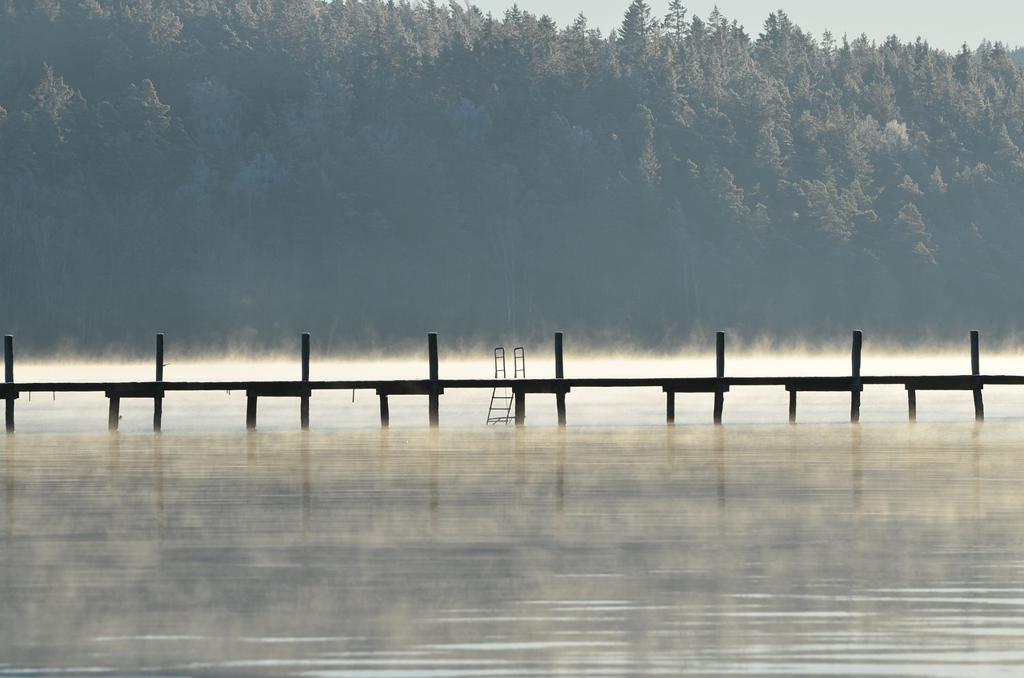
372 169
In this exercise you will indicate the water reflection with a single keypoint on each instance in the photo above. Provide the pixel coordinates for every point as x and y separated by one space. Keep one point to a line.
857 466
720 466
307 488
435 486
560 446
158 484
113 455
9 489
977 449
725 551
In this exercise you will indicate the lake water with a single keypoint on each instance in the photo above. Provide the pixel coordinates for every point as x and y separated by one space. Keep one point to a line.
615 547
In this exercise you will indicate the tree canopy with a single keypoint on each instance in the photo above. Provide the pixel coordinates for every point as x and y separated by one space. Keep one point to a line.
240 170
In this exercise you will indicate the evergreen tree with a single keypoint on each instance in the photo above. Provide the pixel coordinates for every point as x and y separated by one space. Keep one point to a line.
637 33
675 21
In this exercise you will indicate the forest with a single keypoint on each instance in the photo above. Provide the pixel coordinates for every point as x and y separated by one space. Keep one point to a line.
234 172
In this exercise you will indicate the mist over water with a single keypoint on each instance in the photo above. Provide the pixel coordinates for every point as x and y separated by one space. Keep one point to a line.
879 549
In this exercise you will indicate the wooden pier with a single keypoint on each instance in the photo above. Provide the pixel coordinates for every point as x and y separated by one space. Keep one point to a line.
434 386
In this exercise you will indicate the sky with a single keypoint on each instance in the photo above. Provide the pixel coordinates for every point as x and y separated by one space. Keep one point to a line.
944 24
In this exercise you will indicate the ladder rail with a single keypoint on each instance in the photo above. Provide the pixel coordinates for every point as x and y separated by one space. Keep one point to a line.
519 362
499 363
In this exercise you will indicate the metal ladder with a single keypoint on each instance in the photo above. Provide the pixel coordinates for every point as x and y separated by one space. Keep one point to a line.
502 399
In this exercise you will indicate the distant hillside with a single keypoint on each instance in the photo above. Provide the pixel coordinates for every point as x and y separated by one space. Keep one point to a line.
368 170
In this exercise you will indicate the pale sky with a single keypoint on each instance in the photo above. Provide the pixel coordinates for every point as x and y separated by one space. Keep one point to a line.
944 24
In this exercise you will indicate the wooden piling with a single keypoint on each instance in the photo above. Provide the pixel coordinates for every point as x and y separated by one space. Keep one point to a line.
912 404
670 407
113 412
158 401
385 412
792 407
720 375
304 400
858 342
434 394
9 378
559 374
520 402
250 412
979 403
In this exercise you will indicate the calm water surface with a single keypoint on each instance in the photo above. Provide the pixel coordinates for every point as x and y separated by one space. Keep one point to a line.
758 548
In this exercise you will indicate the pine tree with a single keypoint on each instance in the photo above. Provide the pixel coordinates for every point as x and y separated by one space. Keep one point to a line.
936 183
675 21
910 218
1009 152
963 66
648 165
637 33
52 98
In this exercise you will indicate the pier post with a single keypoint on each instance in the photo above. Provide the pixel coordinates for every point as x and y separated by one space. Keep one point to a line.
912 403
670 407
792 407
304 400
559 374
979 403
9 378
858 342
434 394
720 375
113 412
250 411
158 401
385 412
520 401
